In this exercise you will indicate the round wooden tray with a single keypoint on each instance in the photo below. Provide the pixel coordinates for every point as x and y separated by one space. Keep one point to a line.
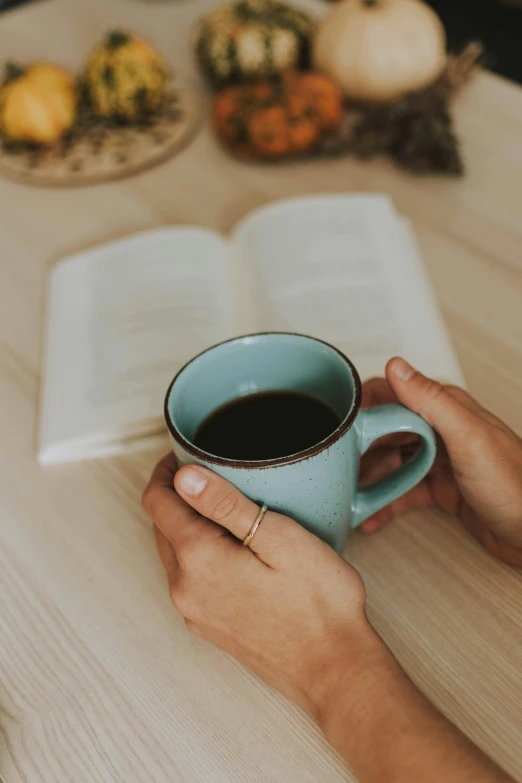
97 152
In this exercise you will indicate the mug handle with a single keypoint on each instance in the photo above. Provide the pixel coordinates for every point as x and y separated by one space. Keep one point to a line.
373 423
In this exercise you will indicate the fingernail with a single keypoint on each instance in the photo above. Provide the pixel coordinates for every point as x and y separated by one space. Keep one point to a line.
370 526
192 482
402 369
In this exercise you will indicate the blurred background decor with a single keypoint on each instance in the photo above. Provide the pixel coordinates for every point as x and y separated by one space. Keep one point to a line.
126 79
385 59
417 131
253 38
38 104
497 24
379 50
122 114
278 117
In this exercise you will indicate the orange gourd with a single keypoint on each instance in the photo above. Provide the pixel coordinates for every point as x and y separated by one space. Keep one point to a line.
277 118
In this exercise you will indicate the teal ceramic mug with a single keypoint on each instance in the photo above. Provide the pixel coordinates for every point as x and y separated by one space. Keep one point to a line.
316 487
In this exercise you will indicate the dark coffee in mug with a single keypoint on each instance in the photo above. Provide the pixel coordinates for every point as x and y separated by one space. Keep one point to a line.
267 425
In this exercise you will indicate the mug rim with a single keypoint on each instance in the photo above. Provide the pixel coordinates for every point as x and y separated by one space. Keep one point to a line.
312 451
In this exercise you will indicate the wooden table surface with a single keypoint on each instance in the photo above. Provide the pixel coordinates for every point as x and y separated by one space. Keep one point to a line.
99 679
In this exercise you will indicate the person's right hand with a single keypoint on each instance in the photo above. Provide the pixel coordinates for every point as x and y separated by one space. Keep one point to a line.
477 475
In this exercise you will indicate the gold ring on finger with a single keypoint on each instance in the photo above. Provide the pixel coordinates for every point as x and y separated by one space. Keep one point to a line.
253 530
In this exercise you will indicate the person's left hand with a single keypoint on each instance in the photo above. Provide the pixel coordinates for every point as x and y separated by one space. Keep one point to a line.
288 606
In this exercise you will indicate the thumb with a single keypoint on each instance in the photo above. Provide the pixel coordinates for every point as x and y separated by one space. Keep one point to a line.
434 402
220 501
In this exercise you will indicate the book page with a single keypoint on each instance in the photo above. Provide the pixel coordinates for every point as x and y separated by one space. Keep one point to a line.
345 269
123 318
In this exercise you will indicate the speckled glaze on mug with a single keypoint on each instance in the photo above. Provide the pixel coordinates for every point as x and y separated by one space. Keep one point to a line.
317 487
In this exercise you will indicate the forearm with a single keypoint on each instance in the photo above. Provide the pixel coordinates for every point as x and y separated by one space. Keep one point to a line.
386 730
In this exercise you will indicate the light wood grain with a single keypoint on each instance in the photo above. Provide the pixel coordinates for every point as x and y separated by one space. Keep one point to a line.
99 680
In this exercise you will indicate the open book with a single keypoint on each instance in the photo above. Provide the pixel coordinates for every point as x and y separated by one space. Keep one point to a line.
123 318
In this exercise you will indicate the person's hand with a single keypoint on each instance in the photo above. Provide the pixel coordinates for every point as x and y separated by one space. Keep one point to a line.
293 611
477 474
288 606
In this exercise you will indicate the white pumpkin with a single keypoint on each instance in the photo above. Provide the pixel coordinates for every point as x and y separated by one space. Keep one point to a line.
378 50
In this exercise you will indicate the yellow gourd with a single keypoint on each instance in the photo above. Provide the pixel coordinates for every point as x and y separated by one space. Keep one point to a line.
37 104
125 77
378 50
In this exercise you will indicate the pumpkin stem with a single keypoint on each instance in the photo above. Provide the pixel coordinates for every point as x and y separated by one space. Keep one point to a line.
12 71
116 38
247 10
